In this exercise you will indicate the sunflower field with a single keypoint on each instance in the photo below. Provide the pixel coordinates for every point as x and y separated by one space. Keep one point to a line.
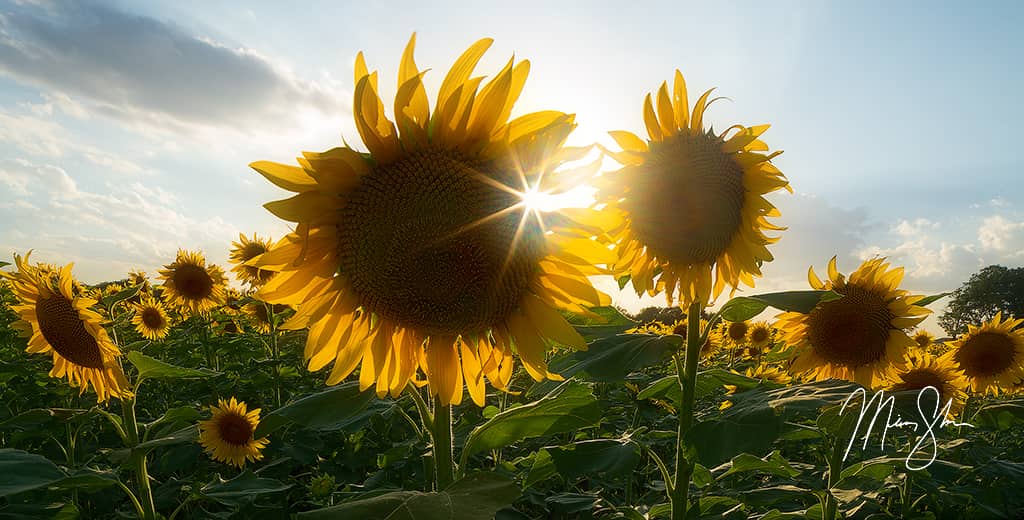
426 343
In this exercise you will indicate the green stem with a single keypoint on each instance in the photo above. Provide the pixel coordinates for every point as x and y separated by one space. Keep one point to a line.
687 377
276 353
835 469
444 460
138 460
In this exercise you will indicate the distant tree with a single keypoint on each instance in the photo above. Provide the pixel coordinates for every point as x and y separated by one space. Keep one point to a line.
991 290
666 315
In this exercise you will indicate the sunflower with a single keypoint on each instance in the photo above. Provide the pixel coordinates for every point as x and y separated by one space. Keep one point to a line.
257 312
942 374
227 436
137 278
760 337
991 355
192 285
692 201
923 339
245 250
860 337
736 331
151 318
59 322
423 254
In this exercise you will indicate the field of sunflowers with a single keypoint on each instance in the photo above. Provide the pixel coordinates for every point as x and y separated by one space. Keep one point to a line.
426 344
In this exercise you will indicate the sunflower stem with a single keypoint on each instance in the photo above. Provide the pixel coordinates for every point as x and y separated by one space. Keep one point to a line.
444 458
835 469
275 351
138 459
687 377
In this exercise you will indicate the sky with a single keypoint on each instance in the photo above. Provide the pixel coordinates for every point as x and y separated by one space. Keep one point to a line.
126 128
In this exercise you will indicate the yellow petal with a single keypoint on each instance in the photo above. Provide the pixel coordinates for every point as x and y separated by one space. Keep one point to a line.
291 178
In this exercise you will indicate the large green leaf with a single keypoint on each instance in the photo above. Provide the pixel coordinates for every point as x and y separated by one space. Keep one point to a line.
607 457
1001 415
21 471
38 418
611 359
478 496
123 294
743 308
718 440
336 408
244 488
609 322
569 407
773 464
708 382
150 368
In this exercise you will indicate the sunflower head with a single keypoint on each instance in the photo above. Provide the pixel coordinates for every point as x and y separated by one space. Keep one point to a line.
151 319
736 331
991 355
760 335
860 337
227 436
692 201
244 251
422 255
61 323
925 370
191 285
137 278
923 339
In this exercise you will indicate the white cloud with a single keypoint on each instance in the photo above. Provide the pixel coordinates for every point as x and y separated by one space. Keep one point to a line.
1002 236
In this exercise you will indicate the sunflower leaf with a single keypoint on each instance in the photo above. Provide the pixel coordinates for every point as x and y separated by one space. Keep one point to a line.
928 300
123 294
743 308
478 496
245 488
567 408
336 408
4 264
150 368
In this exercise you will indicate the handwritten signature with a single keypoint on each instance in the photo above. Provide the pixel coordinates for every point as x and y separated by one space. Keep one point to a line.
937 419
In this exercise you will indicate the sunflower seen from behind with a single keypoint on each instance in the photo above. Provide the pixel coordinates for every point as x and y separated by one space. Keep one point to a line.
151 319
991 355
228 435
860 337
191 285
58 321
692 201
422 254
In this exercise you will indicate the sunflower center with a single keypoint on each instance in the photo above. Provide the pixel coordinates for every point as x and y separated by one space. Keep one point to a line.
235 429
759 335
687 204
922 341
432 243
62 327
192 282
985 354
853 330
737 330
152 318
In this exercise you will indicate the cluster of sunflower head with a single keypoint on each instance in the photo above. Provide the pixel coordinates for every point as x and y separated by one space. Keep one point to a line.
65 318
865 336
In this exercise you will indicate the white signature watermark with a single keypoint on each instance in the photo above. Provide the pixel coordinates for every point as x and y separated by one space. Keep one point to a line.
937 419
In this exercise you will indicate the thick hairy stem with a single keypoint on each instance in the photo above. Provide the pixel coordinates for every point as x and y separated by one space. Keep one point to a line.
444 459
687 377
143 490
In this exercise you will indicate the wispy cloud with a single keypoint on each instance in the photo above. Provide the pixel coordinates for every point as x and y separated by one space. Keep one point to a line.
140 68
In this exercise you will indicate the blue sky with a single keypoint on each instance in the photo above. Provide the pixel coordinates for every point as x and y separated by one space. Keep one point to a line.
126 127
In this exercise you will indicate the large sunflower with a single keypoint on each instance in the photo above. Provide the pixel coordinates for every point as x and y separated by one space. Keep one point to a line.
860 337
191 285
422 254
151 318
245 250
227 436
760 337
924 371
60 322
991 355
692 201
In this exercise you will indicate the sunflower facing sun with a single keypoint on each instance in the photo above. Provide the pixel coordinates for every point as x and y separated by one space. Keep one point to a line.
191 285
860 337
151 318
942 374
227 436
991 355
692 201
422 254
60 322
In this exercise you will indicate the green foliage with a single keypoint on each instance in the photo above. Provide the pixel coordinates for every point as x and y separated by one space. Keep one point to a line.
991 290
